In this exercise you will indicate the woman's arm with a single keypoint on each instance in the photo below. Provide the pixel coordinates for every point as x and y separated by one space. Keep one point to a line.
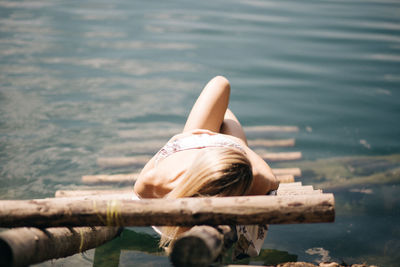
263 178
210 107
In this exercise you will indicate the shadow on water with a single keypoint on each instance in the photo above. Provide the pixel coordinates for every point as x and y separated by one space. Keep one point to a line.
135 248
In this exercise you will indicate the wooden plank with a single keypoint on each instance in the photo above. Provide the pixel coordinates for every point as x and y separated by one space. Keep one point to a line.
110 179
285 179
168 132
130 178
270 128
295 184
116 162
149 133
299 192
127 193
168 212
281 156
152 146
283 171
271 143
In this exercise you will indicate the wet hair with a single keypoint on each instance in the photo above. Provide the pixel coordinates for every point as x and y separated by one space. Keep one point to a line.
215 172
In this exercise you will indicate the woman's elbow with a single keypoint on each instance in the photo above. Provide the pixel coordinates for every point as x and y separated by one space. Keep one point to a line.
222 82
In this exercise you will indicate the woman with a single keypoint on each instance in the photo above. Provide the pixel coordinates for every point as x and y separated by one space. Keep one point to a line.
209 158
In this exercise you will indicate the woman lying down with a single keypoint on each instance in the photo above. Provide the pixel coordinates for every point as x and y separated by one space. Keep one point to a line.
209 158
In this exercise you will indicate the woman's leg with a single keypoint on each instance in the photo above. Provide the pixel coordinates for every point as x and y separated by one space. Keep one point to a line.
209 110
232 126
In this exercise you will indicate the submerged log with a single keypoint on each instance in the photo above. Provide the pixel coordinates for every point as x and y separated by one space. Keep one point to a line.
201 245
26 246
108 211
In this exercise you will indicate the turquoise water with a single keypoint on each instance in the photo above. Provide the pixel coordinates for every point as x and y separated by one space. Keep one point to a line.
74 75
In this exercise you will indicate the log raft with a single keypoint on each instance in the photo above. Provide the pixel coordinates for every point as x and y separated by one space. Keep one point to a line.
294 203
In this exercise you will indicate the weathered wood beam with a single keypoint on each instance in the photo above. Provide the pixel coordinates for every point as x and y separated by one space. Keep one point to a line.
126 193
131 178
152 146
281 156
282 171
181 212
26 246
110 179
168 132
284 179
269 129
271 143
117 162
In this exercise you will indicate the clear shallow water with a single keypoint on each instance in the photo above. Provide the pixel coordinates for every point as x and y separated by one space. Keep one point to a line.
74 75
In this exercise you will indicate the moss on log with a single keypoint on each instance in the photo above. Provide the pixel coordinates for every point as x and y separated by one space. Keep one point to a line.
26 246
343 173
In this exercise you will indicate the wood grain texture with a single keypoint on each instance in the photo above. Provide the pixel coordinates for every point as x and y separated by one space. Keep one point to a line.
109 211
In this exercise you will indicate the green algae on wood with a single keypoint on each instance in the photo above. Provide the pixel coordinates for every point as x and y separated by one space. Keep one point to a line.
343 173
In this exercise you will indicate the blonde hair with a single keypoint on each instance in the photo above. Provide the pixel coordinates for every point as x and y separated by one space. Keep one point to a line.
216 171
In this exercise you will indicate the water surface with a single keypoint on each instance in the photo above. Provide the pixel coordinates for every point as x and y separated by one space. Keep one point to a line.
74 75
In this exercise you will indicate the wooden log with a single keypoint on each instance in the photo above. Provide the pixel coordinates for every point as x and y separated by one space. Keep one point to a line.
26 246
152 146
282 171
281 156
131 177
168 132
201 245
295 184
298 192
169 212
117 162
271 143
126 193
147 146
270 128
110 179
150 133
284 179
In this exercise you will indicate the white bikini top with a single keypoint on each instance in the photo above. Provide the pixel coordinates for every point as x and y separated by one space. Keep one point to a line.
195 141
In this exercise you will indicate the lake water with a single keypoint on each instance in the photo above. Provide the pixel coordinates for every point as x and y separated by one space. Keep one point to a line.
74 75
